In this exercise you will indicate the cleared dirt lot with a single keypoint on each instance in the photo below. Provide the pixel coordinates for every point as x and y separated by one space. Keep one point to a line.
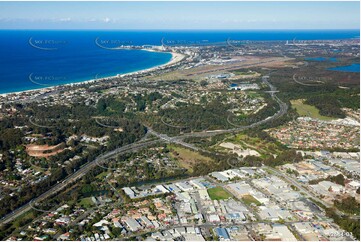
44 150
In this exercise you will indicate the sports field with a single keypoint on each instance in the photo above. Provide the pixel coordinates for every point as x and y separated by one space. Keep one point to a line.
218 193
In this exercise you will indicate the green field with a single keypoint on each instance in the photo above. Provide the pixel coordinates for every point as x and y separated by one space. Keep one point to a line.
253 94
102 175
186 158
86 202
262 146
306 110
244 73
248 200
218 193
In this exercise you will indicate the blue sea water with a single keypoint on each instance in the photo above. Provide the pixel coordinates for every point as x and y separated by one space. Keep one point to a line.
350 68
321 59
316 59
31 59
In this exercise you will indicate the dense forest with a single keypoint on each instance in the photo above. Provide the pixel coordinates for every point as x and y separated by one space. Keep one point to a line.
329 96
348 205
211 115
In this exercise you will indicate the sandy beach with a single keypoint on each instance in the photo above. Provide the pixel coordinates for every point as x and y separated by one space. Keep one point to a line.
176 57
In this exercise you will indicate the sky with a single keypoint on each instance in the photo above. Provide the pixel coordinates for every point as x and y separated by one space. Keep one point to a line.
180 15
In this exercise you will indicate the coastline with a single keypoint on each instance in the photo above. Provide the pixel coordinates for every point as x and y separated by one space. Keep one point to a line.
176 57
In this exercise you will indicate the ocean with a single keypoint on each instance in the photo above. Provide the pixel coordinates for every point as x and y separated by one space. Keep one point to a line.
32 59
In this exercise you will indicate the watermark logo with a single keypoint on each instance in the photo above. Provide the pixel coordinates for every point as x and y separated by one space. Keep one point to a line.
51 80
46 44
191 124
113 44
178 42
241 122
338 234
108 122
37 165
109 162
233 206
298 206
179 123
105 167
235 44
99 77
167 165
49 122
308 81
42 123
235 162
42 206
46 80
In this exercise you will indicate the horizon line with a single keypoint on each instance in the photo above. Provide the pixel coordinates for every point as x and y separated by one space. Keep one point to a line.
155 29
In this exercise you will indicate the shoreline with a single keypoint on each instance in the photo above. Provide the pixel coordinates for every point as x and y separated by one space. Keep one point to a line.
176 57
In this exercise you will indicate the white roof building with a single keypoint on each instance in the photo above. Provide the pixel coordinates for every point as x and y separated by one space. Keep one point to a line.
133 224
172 188
161 188
184 186
204 194
327 185
303 228
193 237
129 192
219 176
214 218
281 231
197 184
240 189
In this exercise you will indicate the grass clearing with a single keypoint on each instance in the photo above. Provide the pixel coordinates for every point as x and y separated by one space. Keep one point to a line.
186 158
253 94
306 110
248 200
102 175
86 202
263 147
218 193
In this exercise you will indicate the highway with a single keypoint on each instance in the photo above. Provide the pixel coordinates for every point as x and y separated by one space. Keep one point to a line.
282 111
74 177
135 146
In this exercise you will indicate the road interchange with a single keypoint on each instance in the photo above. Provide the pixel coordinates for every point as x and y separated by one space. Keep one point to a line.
138 145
